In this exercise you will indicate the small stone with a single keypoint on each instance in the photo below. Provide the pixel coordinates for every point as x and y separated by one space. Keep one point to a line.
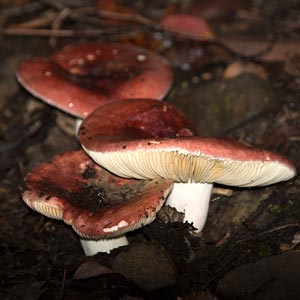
147 265
238 68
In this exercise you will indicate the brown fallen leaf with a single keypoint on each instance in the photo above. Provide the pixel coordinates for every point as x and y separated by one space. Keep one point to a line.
285 51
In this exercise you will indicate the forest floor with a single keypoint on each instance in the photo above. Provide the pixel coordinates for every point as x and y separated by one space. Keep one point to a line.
249 248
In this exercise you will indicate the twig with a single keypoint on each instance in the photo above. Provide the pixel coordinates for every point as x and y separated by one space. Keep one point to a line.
127 17
59 33
57 23
45 19
286 226
222 191
62 289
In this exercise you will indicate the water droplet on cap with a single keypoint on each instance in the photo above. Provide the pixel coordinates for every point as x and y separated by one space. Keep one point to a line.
48 73
75 71
141 57
90 57
73 62
80 61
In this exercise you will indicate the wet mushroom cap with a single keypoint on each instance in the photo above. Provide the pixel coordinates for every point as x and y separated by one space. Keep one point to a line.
96 203
46 80
81 77
135 118
132 147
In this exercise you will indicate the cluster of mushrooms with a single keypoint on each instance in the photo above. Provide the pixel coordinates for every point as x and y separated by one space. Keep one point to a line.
138 152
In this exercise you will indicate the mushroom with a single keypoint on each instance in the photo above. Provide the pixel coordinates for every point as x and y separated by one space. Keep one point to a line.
187 26
100 206
81 77
147 139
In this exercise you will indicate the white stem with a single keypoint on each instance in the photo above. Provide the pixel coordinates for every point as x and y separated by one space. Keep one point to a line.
77 125
92 247
193 200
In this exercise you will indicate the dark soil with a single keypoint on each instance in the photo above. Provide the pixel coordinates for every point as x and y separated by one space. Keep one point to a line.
40 256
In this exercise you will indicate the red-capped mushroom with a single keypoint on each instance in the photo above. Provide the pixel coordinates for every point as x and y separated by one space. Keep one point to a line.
151 139
100 206
81 77
187 26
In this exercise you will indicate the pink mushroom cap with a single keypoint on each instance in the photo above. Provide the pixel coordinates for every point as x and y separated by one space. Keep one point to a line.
81 77
96 203
188 26
152 139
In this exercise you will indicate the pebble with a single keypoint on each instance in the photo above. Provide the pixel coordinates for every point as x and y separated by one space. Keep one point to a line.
147 265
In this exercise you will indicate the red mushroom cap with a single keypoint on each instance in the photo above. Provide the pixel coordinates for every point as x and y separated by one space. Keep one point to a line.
81 77
95 202
188 26
151 139
135 118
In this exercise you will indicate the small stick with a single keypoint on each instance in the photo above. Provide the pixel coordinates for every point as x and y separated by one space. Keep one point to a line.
222 191
278 228
58 33
57 23
44 20
62 289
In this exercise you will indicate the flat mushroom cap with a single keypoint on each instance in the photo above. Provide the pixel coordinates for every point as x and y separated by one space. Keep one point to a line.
81 77
96 203
150 145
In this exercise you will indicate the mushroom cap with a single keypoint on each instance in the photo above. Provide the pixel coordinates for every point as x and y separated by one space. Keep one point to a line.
96 203
81 77
151 139
188 26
